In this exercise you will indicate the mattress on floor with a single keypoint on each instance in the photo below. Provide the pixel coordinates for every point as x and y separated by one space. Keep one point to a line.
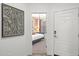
37 36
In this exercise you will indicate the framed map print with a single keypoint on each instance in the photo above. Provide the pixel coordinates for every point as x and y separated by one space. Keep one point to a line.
12 21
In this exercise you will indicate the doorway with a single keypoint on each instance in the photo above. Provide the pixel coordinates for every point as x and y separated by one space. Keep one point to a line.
66 33
38 34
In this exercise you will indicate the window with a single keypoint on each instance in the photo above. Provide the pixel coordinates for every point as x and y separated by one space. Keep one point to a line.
38 23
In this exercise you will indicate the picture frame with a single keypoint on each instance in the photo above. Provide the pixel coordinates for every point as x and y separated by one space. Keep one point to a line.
12 21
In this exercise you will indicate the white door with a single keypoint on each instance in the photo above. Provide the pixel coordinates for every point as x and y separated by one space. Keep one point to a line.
66 26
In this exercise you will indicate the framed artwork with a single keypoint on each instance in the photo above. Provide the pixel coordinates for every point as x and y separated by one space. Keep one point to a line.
12 21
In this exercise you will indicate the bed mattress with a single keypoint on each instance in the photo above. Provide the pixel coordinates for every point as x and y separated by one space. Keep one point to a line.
37 36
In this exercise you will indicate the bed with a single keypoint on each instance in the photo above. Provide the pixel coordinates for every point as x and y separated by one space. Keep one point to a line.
37 37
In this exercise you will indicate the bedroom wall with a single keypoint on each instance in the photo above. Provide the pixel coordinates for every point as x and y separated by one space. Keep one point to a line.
17 45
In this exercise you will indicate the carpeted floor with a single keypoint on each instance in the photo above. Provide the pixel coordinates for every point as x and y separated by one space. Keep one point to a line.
39 49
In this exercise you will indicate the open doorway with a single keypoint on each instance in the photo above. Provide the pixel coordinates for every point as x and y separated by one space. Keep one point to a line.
38 34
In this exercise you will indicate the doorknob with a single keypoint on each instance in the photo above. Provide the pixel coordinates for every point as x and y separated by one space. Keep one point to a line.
55 32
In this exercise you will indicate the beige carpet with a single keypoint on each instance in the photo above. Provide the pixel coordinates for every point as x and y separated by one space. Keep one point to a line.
39 49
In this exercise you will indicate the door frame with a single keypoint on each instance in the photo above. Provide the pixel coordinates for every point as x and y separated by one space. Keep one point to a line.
46 25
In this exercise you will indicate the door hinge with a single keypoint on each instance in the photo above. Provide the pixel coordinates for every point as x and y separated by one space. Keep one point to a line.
78 14
78 35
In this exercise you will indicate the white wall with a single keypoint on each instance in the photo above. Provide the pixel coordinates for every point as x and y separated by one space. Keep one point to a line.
17 45
22 45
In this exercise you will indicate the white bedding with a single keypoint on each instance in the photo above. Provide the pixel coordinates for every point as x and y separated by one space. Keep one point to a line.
37 36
